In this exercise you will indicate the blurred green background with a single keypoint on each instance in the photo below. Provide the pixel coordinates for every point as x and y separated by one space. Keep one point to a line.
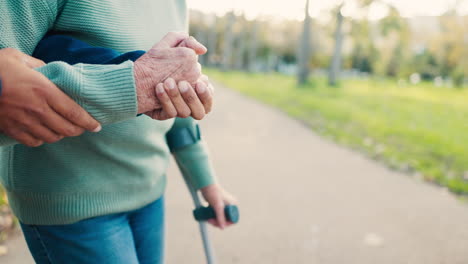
360 73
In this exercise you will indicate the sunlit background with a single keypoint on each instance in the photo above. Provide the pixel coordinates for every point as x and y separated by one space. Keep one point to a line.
295 8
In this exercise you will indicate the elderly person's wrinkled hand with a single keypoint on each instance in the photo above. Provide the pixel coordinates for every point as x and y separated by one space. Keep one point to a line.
32 109
173 63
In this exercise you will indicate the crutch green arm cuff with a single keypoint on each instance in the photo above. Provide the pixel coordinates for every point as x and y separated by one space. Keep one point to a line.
182 137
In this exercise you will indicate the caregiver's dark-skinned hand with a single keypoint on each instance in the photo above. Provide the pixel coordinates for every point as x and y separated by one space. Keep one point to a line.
32 109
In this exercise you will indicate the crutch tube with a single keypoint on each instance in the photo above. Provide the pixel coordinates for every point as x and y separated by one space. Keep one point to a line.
209 253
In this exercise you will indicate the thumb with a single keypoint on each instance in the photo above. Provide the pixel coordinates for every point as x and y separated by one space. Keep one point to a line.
171 40
32 62
192 43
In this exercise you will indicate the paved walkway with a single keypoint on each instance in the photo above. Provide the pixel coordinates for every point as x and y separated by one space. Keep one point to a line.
306 200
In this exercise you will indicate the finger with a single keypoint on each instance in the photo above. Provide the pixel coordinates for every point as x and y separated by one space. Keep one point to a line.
155 114
183 110
44 134
193 74
220 217
24 138
171 40
192 43
204 95
29 140
158 114
168 108
71 111
206 80
213 222
32 62
191 98
32 124
199 67
60 125
24 58
211 88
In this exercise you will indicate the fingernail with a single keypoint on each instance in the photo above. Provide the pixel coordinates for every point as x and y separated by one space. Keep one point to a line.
201 88
97 129
171 83
183 87
160 89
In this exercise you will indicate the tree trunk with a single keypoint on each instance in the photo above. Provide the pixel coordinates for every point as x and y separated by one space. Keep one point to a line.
211 44
304 49
252 52
240 49
228 39
335 66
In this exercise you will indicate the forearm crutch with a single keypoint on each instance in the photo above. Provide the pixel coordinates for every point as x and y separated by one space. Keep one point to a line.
181 138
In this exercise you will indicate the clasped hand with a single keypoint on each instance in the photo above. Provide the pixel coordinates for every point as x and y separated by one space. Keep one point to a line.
169 83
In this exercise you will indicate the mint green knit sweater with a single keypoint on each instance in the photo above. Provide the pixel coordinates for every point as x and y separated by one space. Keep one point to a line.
122 167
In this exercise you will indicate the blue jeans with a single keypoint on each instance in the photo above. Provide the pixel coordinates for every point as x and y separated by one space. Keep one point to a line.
135 237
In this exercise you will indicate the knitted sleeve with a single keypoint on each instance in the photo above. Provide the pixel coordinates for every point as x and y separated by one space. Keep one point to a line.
107 92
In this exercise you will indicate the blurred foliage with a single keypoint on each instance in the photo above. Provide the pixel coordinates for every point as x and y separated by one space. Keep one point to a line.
7 220
421 131
394 46
3 200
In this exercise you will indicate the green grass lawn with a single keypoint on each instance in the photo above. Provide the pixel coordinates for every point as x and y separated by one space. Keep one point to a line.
420 129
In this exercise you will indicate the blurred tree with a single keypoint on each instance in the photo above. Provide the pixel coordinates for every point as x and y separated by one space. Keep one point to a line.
212 41
253 46
228 41
335 66
450 47
364 53
425 64
304 49
240 50
395 30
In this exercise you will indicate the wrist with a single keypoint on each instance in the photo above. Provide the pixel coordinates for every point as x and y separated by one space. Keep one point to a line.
145 89
208 188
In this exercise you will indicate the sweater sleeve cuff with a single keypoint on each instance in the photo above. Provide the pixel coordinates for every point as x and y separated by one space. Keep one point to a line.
107 92
195 165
